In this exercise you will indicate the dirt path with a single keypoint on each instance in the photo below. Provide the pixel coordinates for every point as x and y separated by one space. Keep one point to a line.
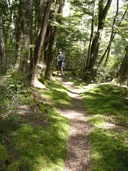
78 146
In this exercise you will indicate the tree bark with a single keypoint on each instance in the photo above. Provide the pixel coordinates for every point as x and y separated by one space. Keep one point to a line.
96 40
39 12
111 40
91 36
25 7
2 47
40 40
123 71
51 42
111 37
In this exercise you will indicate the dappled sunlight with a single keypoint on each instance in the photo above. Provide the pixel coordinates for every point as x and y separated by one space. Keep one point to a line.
78 91
41 148
106 106
109 125
59 89
35 129
37 84
73 114
90 87
23 109
108 151
4 78
96 155
78 141
101 121
72 95
68 83
59 95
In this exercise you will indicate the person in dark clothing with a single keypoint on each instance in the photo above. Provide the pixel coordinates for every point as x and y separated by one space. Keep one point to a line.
60 63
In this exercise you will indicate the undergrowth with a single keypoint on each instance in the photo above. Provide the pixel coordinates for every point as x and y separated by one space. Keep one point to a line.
33 135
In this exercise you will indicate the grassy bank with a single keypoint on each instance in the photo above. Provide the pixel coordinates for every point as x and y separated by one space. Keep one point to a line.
106 106
33 135
107 109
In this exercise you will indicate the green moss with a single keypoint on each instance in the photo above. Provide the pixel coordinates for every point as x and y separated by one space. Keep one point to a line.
3 154
58 94
107 106
14 166
108 151
45 149
37 138
107 100
98 120
41 107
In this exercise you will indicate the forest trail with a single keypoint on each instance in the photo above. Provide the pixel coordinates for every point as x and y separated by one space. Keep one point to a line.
78 146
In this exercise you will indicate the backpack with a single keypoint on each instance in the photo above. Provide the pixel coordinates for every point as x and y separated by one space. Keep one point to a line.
60 58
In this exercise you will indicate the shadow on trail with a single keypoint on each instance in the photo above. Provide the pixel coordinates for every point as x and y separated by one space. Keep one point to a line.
108 145
78 145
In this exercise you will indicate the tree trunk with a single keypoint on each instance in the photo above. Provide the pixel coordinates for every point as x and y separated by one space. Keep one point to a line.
49 55
111 37
94 50
111 40
25 7
40 41
96 41
39 12
123 72
91 36
51 41
2 47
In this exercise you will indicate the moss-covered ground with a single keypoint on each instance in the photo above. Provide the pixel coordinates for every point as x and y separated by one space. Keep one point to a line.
33 135
107 111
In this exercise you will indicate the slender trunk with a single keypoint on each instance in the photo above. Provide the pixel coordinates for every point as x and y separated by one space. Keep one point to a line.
49 59
31 41
111 40
105 63
2 47
96 41
91 36
111 37
31 51
51 41
40 40
8 27
94 50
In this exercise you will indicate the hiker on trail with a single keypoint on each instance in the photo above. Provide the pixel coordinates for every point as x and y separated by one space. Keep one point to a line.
60 63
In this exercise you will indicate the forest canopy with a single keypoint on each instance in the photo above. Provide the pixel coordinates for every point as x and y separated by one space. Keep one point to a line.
92 35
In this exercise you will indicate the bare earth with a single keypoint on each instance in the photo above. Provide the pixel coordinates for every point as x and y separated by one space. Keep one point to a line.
78 146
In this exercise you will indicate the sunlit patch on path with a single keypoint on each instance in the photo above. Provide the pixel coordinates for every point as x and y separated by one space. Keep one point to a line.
78 146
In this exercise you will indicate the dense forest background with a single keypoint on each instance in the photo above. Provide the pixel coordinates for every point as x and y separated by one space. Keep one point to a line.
92 35
88 105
